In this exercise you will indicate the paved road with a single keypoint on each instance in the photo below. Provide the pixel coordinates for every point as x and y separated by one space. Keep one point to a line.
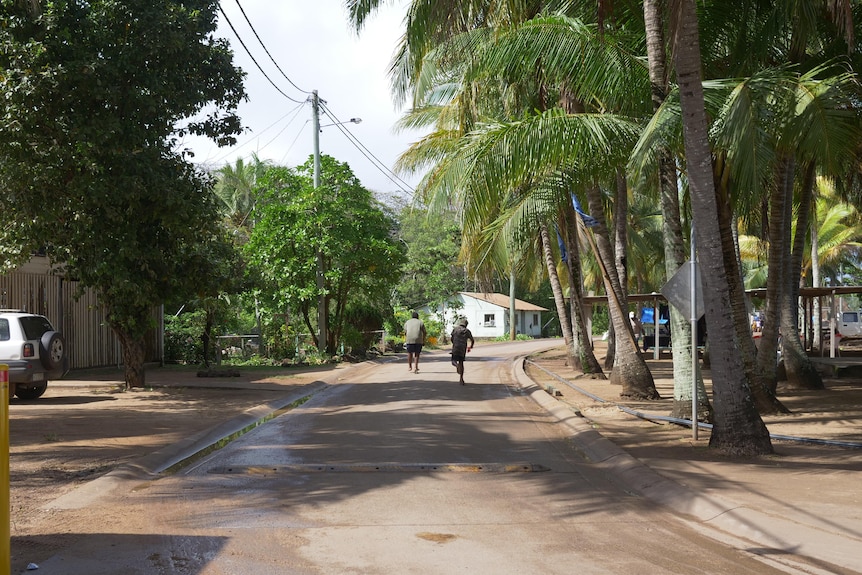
386 471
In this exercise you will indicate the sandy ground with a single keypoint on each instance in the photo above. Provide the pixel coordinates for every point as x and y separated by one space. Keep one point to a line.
87 424
100 426
831 414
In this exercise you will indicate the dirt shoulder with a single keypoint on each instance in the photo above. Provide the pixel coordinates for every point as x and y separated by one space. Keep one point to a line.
830 414
100 426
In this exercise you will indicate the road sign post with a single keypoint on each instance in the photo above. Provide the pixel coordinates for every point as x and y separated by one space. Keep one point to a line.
685 293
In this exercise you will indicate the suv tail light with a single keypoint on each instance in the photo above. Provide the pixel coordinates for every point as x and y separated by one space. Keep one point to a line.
28 350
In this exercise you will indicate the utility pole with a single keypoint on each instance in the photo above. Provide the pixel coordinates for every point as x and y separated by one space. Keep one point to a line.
322 306
321 284
513 312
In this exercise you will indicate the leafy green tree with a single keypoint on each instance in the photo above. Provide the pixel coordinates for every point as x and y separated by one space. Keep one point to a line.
431 271
96 95
339 221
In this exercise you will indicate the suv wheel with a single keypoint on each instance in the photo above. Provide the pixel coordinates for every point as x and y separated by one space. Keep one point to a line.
34 392
53 351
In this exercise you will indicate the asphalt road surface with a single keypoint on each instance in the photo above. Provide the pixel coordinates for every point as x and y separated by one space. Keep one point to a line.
391 472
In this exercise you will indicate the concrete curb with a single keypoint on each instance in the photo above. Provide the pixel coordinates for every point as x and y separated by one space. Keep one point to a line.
156 462
773 535
152 464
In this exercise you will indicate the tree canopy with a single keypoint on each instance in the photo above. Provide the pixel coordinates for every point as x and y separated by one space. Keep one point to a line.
431 272
744 127
339 224
96 96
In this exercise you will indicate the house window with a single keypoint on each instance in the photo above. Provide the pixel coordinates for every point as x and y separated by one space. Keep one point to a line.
490 320
535 319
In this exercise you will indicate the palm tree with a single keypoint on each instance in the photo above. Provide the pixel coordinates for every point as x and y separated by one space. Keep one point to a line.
685 380
511 54
454 157
235 189
454 120
834 236
838 230
768 125
747 40
573 227
530 211
738 427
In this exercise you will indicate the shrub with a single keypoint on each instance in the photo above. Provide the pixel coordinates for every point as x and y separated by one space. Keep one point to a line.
518 337
183 337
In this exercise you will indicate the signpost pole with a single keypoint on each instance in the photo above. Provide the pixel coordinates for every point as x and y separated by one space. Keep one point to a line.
693 309
681 291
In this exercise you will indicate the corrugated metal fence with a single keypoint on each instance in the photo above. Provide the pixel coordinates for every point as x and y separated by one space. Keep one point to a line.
89 339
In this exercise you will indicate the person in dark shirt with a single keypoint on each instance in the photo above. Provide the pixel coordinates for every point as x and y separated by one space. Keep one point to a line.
460 347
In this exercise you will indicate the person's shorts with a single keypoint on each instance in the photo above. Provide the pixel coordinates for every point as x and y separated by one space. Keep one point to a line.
458 357
414 348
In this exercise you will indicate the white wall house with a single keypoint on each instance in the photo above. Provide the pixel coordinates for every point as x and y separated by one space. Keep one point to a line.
488 314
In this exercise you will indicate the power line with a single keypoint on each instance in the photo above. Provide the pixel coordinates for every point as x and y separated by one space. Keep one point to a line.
267 51
375 161
247 51
380 166
295 111
293 143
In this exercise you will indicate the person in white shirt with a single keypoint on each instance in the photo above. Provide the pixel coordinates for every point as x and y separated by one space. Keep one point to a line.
414 339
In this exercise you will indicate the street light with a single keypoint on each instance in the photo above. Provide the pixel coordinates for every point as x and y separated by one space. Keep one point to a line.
321 284
350 121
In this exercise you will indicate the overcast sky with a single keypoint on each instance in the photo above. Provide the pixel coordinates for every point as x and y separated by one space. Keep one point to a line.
316 48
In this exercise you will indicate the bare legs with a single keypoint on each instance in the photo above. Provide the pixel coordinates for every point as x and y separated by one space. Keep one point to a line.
459 367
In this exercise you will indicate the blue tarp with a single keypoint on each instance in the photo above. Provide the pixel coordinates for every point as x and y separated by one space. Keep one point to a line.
647 316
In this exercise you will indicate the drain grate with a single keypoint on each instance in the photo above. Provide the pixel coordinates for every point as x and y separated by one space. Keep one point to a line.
383 467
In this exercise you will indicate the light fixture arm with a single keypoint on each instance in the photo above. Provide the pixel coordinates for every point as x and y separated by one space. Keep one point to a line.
350 121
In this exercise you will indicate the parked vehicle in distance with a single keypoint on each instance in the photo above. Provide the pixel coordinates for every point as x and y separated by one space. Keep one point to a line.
850 324
33 350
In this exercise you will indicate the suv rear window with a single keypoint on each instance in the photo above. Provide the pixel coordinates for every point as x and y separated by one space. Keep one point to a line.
4 330
34 326
850 317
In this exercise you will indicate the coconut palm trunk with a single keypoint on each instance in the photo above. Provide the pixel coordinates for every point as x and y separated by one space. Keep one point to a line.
799 368
620 220
559 298
815 275
780 208
764 398
583 341
737 428
674 243
630 370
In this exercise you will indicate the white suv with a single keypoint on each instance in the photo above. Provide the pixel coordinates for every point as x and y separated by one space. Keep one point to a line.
34 352
850 324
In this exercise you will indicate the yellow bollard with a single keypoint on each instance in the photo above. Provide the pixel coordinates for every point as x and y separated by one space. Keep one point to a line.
5 510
